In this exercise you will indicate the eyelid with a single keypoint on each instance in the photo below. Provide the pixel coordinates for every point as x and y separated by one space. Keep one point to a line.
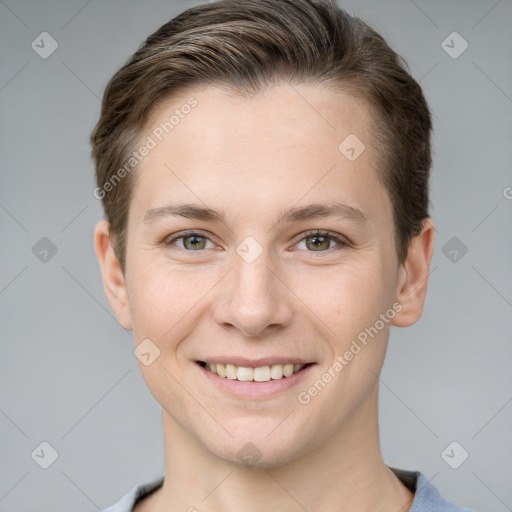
341 240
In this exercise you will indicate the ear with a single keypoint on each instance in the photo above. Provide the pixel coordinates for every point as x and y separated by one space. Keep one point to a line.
113 278
413 276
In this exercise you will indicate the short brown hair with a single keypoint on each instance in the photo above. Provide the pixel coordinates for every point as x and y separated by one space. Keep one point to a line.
249 45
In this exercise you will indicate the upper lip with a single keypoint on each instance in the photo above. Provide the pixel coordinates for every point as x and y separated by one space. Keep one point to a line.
255 363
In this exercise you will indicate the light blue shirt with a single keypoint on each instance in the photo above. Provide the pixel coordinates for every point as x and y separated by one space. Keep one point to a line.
426 497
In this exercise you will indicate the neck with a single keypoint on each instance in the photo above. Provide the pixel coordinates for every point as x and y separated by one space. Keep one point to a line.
344 472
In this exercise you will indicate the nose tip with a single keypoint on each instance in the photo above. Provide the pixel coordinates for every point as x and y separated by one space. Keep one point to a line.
254 300
256 330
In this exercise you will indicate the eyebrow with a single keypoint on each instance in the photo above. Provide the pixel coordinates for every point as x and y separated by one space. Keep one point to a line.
293 214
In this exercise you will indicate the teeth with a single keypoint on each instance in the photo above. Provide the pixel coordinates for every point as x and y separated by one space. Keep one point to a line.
259 374
276 372
221 369
288 370
243 373
231 371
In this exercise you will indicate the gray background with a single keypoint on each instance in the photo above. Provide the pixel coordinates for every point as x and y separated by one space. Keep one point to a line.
67 372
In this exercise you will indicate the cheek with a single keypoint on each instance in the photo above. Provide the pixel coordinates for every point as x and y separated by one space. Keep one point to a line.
346 298
164 299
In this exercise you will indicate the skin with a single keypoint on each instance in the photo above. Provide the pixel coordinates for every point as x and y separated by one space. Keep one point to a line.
252 158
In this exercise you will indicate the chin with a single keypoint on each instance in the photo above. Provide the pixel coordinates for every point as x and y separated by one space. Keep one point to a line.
251 457
258 448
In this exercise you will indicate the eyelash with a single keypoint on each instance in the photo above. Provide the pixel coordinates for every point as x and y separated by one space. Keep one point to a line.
343 242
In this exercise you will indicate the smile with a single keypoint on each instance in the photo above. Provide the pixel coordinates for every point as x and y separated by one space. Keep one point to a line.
257 374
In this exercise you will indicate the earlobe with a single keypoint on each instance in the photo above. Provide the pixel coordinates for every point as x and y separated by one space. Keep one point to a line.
413 276
113 278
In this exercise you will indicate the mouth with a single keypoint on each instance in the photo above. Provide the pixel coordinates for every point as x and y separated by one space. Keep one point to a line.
263 373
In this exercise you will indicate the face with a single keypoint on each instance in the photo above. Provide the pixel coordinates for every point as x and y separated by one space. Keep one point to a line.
258 272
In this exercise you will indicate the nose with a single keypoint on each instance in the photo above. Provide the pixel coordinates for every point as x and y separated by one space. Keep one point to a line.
254 298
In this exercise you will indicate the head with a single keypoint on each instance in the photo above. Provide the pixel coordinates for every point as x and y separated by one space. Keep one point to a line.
254 120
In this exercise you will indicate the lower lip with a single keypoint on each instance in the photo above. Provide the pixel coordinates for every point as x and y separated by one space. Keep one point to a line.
252 390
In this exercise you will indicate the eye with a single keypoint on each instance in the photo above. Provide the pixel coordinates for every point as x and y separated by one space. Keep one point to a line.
315 241
191 241
320 241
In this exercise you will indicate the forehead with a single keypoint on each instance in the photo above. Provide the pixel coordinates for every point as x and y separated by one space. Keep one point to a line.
283 113
286 142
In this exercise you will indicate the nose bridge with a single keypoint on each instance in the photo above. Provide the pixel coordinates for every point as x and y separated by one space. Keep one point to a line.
253 280
255 297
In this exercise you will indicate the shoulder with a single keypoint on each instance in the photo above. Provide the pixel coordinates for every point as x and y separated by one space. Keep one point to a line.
430 500
137 493
426 498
